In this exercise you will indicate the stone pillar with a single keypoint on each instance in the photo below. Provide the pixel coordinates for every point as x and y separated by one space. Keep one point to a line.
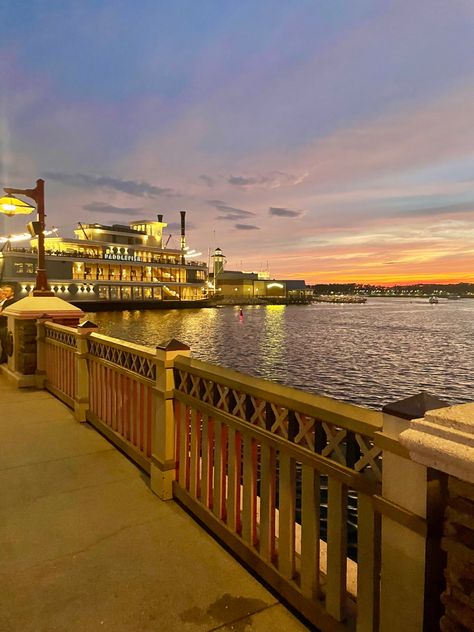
406 597
81 402
40 352
444 440
163 461
22 316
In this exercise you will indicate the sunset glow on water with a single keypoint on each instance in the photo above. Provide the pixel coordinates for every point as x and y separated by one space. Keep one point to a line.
370 354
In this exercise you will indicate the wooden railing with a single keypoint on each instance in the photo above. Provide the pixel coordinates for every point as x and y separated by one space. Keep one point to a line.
252 460
251 456
121 400
60 362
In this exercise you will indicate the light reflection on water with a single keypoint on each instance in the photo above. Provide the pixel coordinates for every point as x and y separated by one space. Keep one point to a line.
366 354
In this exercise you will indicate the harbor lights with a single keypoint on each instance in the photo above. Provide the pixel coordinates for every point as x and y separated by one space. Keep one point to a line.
11 205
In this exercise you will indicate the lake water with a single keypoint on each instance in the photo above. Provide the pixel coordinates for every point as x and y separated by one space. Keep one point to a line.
368 354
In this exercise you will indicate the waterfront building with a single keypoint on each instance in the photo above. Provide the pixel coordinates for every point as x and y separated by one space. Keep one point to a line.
117 265
253 285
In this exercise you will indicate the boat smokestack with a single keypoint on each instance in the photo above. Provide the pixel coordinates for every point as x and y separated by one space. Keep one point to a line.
160 217
183 234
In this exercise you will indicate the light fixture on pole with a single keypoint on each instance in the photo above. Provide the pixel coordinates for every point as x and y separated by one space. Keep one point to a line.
11 205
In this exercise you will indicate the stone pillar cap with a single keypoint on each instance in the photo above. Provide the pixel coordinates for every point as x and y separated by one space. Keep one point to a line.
444 440
42 306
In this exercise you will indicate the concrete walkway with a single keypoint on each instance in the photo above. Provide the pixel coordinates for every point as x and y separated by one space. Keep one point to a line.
85 545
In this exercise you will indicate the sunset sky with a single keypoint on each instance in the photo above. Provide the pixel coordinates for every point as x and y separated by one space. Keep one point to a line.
328 140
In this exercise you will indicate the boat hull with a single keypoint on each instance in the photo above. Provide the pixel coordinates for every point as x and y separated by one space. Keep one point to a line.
117 306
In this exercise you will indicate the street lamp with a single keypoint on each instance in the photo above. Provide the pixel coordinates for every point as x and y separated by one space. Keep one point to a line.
10 205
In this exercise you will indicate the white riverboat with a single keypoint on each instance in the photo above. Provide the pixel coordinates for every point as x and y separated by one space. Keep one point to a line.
111 267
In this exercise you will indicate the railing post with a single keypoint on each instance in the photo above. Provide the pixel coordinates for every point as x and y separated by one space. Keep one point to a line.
22 334
40 373
81 387
405 595
163 460
444 441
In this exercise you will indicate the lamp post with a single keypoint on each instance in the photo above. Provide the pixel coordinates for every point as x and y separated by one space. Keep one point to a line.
13 206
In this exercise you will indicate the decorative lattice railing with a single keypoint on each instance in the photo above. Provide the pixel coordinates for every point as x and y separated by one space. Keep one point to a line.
280 470
60 365
286 479
121 381
342 432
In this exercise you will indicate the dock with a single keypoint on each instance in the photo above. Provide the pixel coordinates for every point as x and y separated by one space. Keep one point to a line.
86 545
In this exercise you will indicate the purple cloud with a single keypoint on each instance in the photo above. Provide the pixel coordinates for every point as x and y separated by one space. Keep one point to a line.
230 213
246 227
100 207
277 211
131 187
273 180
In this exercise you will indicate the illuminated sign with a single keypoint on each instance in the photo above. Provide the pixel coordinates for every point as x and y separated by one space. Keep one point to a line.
270 285
117 256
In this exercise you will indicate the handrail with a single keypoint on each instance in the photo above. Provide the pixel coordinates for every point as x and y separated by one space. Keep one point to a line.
116 343
325 408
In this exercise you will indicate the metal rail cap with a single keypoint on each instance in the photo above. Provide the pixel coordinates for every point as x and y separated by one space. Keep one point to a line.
415 406
173 345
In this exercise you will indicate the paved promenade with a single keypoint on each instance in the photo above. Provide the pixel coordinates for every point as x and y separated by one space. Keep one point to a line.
85 545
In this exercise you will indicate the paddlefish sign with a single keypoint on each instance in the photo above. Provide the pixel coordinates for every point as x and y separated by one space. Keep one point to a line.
119 256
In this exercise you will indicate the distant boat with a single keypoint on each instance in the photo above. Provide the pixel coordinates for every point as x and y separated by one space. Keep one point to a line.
433 300
454 297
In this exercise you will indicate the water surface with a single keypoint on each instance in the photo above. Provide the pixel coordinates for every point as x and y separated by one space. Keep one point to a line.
369 354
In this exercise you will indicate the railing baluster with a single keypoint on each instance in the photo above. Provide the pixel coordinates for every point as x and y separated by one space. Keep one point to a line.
206 484
126 406
249 508
310 531
63 372
94 390
70 360
120 405
133 414
91 387
368 568
146 417
195 457
60 369
183 446
336 549
233 481
114 406
137 415
141 415
267 501
219 467
104 389
150 417
108 399
287 500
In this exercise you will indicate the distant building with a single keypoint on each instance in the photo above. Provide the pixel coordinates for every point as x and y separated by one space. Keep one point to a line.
252 285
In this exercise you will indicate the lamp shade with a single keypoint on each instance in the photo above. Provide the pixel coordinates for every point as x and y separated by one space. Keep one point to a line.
11 205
